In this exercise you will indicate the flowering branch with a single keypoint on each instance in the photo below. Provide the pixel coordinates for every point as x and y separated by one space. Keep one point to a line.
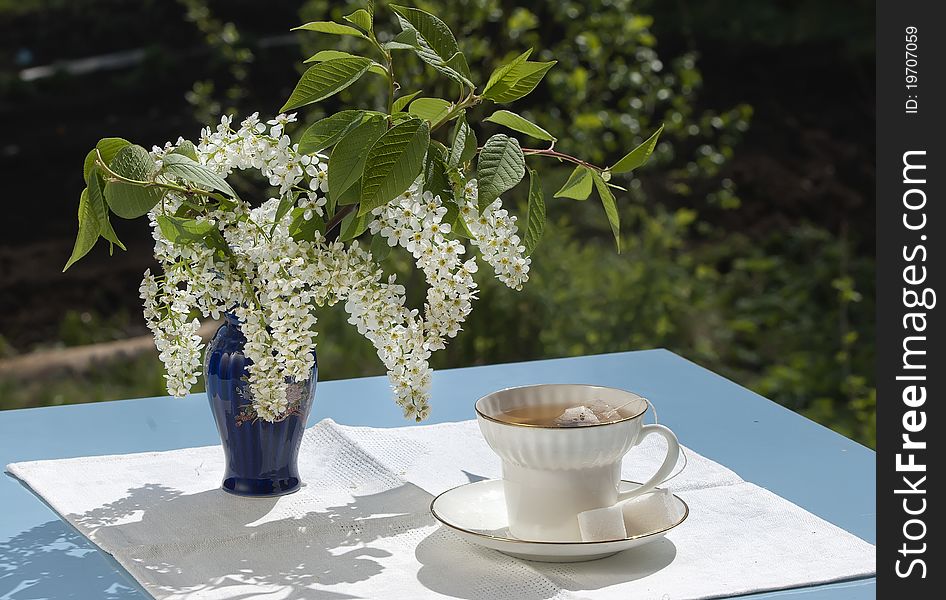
274 263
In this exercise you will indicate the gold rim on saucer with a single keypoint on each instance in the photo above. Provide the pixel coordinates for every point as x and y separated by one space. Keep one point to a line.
686 513
647 405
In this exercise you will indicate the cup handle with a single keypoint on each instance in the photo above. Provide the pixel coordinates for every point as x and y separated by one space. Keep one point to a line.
670 461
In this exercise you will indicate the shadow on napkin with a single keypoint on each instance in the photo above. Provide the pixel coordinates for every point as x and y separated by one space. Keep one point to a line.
453 567
169 531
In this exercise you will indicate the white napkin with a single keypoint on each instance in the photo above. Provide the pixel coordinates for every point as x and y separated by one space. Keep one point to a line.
361 527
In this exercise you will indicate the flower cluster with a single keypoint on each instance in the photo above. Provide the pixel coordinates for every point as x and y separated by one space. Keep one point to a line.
496 236
274 282
174 335
414 221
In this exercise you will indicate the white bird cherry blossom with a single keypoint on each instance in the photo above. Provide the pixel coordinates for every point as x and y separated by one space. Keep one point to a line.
274 283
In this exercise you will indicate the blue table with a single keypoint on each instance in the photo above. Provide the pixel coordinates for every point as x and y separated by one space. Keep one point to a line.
827 474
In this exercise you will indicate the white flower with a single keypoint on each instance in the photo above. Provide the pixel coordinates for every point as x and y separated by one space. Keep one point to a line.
496 235
273 282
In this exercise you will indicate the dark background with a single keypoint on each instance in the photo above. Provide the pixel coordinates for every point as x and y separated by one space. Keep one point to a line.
749 238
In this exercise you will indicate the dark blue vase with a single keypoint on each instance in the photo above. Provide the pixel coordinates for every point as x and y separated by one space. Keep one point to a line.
261 456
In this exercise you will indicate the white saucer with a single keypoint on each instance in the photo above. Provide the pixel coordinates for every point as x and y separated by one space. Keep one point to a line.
477 512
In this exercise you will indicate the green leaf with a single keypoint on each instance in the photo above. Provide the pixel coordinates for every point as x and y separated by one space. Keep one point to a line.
380 249
302 229
326 79
430 109
108 148
460 228
88 230
536 218
638 156
578 186
393 163
326 132
519 81
353 225
500 167
324 55
184 231
88 164
458 63
500 73
180 166
350 196
330 27
435 43
347 162
406 40
455 220
187 149
286 203
403 101
435 175
610 208
517 123
360 18
464 143
99 207
214 239
128 200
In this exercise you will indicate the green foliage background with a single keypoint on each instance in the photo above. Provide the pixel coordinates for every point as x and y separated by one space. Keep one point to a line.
783 306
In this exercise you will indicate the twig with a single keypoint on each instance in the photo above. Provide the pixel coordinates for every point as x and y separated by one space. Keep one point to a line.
559 155
336 220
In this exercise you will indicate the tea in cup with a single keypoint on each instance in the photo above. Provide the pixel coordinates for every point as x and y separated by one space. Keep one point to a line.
561 447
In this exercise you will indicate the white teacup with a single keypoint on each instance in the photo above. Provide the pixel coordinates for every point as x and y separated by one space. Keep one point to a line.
550 472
